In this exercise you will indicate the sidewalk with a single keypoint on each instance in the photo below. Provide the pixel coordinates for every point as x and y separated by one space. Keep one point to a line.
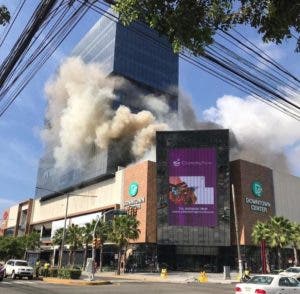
172 277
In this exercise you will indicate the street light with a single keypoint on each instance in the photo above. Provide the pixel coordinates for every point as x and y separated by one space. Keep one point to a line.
240 263
102 217
65 220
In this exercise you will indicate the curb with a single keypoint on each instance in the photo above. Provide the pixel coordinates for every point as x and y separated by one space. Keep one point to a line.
75 282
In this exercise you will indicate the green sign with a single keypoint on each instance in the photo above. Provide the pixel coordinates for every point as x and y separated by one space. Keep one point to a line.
257 189
133 189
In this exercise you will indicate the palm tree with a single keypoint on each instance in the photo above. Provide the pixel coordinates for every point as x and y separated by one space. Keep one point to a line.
295 241
74 239
124 228
57 237
280 234
102 230
260 234
87 238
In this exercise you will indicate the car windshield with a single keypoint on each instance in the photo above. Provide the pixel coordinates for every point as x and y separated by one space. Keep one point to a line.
21 263
293 270
263 280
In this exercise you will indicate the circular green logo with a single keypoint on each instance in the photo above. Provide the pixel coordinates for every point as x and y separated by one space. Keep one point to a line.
257 189
133 189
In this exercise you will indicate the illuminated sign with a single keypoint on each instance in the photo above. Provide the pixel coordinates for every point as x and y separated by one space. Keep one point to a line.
192 187
133 189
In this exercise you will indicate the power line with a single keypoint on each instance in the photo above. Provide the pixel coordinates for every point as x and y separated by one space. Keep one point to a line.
252 82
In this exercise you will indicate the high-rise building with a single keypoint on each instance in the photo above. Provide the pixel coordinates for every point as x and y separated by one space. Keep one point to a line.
141 56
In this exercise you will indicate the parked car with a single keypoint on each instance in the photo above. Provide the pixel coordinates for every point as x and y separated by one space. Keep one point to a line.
2 272
18 268
269 284
293 272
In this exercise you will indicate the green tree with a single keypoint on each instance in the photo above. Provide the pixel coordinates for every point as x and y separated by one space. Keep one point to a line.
57 237
261 233
280 235
11 247
74 240
32 241
295 241
123 229
4 15
87 238
192 24
102 230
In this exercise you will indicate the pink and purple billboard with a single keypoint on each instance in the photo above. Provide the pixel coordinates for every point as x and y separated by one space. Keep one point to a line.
192 187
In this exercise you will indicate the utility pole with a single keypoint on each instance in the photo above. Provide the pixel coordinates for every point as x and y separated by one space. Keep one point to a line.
61 251
237 232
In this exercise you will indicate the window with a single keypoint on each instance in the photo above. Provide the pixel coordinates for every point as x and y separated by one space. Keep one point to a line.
263 280
288 282
21 263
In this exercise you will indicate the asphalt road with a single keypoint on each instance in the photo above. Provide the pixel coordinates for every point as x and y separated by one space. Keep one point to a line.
118 287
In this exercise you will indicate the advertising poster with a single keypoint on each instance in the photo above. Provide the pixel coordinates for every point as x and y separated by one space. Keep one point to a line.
192 187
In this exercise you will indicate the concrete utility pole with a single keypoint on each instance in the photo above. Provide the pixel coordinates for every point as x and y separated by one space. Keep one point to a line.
237 232
61 251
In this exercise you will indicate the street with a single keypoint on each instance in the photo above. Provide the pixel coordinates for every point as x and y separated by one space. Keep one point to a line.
37 287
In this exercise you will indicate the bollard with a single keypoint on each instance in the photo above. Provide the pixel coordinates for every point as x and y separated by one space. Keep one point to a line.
164 273
202 277
227 272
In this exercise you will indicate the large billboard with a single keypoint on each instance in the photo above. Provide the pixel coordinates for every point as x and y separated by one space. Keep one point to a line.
192 187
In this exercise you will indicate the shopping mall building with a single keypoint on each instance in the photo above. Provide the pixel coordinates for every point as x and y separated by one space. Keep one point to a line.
182 201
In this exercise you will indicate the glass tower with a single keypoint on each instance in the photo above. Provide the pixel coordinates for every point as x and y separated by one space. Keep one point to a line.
136 53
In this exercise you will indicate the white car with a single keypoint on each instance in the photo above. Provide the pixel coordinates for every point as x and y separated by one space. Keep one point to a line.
18 268
293 271
269 284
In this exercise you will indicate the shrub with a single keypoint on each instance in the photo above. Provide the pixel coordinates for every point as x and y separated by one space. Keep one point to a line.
53 272
69 273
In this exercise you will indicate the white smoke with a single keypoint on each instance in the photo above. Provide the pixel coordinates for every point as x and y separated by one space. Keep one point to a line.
80 114
263 133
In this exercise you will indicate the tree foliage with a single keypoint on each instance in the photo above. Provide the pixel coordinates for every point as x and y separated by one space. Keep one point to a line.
192 24
278 232
4 15
123 229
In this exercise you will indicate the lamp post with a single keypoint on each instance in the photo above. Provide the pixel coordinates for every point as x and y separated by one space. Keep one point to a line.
65 219
102 217
61 250
237 232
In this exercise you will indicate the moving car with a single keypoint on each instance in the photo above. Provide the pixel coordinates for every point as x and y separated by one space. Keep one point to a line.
2 272
18 268
269 284
293 272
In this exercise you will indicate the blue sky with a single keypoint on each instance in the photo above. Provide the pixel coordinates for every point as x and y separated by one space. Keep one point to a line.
20 143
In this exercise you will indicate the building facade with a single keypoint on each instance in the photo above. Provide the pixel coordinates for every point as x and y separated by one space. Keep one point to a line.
145 60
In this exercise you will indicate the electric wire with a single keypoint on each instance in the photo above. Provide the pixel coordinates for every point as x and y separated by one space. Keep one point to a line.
288 111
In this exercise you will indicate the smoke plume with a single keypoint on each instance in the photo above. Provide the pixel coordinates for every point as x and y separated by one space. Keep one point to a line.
265 135
81 112
85 108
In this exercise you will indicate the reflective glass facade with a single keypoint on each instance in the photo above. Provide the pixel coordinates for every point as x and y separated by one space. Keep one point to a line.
147 61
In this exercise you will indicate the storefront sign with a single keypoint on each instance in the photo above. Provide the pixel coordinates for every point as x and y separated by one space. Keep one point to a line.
258 205
257 189
133 189
134 203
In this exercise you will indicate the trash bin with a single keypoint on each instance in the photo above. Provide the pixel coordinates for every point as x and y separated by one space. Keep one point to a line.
226 272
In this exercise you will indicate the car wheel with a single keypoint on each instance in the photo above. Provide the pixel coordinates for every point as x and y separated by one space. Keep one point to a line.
13 275
30 277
